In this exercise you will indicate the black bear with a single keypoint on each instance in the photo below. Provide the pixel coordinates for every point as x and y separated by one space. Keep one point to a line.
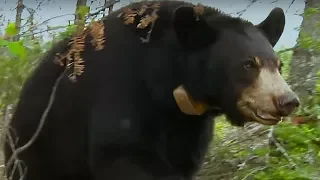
138 90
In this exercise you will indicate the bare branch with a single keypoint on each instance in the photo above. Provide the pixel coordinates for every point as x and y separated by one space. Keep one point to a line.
55 17
254 171
46 30
17 162
15 153
290 5
273 140
6 134
38 7
43 22
6 120
240 13
108 4
286 50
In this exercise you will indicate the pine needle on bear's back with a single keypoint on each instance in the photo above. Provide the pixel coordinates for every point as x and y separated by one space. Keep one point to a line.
98 35
73 57
129 16
147 16
198 10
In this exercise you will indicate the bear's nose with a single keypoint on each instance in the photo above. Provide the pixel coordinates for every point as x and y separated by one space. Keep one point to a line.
287 103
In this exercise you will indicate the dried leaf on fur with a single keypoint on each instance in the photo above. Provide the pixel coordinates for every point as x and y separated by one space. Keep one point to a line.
129 20
74 55
146 18
142 10
129 16
145 21
98 36
155 6
198 10
72 58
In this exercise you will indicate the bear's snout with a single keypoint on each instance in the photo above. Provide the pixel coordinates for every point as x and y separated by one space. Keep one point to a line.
287 103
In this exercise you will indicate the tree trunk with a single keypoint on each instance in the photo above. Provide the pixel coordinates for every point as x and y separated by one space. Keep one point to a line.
31 22
79 18
110 8
306 58
20 7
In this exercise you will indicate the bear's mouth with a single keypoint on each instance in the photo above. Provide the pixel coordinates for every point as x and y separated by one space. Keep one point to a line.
259 115
252 112
266 118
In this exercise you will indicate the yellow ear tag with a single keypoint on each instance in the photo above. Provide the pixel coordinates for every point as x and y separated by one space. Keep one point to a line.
186 103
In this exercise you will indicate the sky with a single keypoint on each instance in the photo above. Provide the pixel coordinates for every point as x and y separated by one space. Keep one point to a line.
255 13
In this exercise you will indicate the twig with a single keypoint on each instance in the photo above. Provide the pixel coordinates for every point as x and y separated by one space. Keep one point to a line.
240 13
270 134
6 119
154 16
290 5
286 50
108 4
38 7
46 30
16 162
273 140
41 123
6 131
254 171
43 22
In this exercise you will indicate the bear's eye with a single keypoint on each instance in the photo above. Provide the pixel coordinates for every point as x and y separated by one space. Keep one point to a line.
249 64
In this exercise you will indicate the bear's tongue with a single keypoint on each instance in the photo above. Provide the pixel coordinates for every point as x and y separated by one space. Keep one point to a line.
265 115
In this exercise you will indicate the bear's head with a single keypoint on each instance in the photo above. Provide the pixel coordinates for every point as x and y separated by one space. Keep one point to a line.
230 64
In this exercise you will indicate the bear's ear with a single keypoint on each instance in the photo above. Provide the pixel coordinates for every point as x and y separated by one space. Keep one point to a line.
191 30
273 26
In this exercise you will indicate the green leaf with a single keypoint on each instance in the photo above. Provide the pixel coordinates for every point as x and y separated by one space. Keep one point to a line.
262 151
83 10
4 42
71 29
311 11
17 49
11 29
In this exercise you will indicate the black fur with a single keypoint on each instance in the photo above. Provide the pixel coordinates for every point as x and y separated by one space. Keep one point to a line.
119 121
